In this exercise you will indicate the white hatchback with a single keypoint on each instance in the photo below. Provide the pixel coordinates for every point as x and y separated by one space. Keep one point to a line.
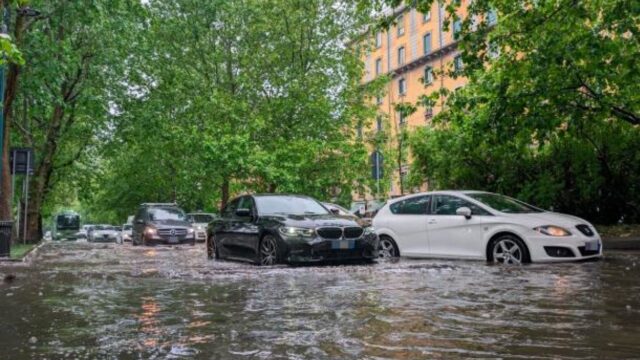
484 226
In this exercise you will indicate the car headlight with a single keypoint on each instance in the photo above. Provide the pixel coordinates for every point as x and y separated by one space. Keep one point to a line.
369 230
296 231
149 231
551 230
190 231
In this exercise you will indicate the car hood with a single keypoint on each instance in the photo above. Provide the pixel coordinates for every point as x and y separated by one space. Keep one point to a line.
163 224
548 218
314 221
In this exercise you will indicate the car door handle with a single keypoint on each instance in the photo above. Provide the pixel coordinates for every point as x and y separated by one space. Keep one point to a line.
432 221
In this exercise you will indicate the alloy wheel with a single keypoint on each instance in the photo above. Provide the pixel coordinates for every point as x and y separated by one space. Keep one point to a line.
386 249
507 251
268 251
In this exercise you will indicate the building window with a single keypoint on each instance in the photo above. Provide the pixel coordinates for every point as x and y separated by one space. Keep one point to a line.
378 123
426 16
492 17
401 56
428 112
402 86
379 39
428 75
378 100
457 63
402 118
457 28
426 43
400 25
378 66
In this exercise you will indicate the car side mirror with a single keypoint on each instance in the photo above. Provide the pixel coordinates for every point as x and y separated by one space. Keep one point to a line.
464 211
243 213
335 211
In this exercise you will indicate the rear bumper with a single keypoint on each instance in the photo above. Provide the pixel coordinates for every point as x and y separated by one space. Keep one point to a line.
322 250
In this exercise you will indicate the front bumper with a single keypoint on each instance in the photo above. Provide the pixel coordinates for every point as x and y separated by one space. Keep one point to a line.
571 248
185 239
326 250
201 235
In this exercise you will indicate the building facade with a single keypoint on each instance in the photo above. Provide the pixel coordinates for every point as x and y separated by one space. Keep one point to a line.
416 54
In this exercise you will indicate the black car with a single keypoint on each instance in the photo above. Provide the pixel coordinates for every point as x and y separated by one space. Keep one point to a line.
161 223
269 229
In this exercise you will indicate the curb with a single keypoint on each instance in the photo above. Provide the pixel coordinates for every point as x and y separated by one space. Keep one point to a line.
631 243
27 256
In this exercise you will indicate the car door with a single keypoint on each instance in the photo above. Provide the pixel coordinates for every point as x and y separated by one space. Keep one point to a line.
409 223
245 230
222 230
452 235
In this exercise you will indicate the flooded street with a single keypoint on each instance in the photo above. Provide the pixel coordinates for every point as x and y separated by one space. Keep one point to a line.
112 301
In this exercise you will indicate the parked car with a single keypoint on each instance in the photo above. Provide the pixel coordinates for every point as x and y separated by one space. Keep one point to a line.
200 221
104 233
161 223
47 236
270 229
125 233
482 225
337 209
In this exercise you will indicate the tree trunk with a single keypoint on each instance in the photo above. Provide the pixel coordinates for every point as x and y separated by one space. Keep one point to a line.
224 190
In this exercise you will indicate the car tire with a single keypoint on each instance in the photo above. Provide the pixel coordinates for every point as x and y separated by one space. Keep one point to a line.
212 249
387 248
268 252
508 249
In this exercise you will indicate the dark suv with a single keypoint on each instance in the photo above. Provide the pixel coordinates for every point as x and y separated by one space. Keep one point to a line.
161 223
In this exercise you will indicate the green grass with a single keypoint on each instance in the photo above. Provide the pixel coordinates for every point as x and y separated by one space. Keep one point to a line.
18 250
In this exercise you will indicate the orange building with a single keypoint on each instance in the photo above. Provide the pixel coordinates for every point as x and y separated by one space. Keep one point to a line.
416 54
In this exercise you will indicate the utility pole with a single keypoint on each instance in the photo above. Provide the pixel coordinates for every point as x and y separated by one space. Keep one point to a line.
4 30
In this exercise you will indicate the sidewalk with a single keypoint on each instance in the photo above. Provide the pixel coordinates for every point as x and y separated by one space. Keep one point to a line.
621 243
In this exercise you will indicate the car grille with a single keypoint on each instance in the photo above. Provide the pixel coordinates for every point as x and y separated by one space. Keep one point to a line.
353 232
333 233
585 252
585 229
167 232
330 232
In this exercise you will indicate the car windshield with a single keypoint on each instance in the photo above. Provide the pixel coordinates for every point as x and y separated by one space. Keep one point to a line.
166 213
504 204
68 221
289 205
201 218
104 227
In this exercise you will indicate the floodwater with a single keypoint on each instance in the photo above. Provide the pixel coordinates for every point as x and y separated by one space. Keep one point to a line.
109 301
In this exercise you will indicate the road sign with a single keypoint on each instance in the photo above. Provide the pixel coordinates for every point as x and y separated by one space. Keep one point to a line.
21 160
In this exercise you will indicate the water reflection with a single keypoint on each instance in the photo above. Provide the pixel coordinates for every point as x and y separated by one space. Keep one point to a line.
121 302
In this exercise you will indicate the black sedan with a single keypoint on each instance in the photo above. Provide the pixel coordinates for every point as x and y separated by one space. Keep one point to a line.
270 229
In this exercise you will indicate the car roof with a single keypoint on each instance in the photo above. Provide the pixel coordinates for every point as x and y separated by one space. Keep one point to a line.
439 192
201 213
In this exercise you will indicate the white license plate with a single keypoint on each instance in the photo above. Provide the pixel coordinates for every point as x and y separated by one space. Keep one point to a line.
173 239
592 246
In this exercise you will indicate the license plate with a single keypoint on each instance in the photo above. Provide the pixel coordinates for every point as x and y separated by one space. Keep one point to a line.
343 244
592 246
173 239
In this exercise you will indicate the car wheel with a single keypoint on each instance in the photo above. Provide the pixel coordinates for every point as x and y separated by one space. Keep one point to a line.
508 249
268 251
387 248
212 249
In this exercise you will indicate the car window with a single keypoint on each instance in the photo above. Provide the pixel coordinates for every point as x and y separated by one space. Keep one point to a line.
448 205
246 203
418 205
230 210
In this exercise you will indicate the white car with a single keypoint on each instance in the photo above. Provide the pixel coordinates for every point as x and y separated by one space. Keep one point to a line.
484 226
104 233
200 221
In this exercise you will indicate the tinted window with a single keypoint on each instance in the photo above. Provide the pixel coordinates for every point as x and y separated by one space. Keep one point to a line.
247 203
504 204
68 221
414 206
230 209
448 205
289 205
166 213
